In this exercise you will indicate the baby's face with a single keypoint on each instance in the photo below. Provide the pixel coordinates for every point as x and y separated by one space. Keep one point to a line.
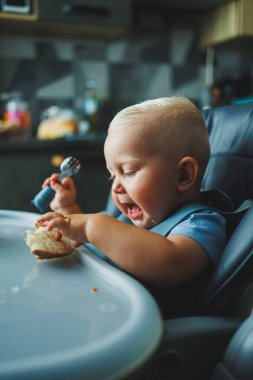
144 186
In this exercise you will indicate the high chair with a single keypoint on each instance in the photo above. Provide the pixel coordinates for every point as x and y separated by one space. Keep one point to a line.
195 342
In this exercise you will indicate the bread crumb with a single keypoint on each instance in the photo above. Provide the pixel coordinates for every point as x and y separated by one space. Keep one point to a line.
94 290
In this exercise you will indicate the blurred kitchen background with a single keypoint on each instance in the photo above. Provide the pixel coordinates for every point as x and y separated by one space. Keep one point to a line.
84 60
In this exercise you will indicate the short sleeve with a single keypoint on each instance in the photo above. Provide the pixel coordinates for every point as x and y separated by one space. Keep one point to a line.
208 229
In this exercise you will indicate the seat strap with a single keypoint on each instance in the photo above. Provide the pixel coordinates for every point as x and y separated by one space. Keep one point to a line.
185 210
233 218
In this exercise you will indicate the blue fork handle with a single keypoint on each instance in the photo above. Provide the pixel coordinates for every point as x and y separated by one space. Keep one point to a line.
43 198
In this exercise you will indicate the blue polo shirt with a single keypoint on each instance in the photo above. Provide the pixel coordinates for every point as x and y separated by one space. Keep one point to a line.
208 229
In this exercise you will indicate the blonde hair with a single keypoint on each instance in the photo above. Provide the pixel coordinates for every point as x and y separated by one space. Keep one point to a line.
171 126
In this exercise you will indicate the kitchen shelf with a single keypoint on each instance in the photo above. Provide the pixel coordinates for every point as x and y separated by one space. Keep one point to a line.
65 20
11 16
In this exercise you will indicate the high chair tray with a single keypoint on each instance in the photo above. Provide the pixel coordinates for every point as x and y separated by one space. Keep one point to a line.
75 317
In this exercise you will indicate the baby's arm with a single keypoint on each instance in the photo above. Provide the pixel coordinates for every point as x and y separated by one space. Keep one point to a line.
144 254
64 200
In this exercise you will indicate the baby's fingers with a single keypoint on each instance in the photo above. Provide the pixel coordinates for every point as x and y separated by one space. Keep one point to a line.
77 244
68 183
57 187
55 220
54 177
49 216
46 182
51 220
62 223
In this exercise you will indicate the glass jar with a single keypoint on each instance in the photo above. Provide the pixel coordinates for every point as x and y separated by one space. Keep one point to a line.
17 113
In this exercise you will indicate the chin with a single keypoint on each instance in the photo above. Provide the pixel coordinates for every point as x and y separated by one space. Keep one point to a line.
143 224
138 223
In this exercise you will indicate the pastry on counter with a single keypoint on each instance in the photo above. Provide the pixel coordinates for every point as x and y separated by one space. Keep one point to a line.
55 128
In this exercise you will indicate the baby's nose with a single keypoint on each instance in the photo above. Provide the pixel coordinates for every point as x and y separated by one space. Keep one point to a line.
117 187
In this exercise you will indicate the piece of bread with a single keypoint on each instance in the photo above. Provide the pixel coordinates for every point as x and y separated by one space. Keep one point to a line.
56 128
45 245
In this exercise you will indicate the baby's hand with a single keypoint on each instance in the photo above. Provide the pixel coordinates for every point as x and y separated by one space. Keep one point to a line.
54 177
65 197
71 226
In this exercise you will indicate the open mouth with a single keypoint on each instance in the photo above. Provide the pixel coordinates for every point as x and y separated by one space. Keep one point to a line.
134 212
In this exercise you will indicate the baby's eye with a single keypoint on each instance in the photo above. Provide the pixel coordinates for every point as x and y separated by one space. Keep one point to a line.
129 174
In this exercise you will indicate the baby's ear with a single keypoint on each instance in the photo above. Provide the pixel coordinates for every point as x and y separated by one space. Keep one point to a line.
188 170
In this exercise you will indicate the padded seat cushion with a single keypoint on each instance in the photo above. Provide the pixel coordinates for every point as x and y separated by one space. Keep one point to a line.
238 360
234 268
230 168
